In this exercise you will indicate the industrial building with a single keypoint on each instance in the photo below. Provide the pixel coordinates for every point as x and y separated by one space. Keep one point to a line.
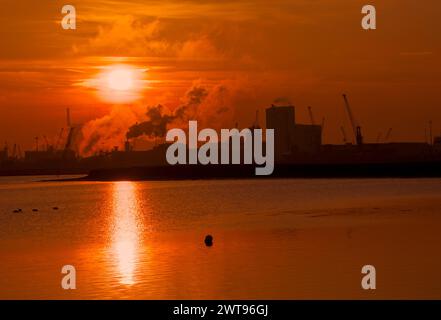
127 158
290 138
3 155
293 144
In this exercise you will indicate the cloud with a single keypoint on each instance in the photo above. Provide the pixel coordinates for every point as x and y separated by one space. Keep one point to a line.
416 53
126 36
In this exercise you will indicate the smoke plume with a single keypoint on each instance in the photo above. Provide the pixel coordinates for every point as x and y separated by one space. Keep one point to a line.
155 127
158 121
211 107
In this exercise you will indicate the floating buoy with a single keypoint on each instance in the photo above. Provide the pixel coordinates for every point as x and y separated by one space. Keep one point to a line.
208 240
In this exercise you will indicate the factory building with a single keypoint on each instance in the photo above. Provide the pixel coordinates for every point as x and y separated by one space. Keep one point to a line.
290 138
3 155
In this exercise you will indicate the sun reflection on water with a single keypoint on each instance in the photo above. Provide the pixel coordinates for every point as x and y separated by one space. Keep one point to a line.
126 231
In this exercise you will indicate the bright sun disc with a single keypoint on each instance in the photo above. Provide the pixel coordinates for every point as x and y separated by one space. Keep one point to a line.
120 83
120 79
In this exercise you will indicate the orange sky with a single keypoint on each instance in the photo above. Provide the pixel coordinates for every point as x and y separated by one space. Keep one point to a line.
245 53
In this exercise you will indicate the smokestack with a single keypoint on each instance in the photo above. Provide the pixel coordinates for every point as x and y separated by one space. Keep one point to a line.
127 146
68 117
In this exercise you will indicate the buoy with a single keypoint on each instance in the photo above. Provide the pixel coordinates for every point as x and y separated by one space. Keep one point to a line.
208 240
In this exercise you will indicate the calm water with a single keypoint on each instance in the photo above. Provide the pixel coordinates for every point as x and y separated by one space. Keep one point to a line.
285 239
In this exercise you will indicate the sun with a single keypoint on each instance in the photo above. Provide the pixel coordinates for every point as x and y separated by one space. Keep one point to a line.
119 83
121 79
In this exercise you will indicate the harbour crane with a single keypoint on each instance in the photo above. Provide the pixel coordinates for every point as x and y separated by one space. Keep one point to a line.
71 133
386 138
355 127
60 136
311 116
380 134
345 140
430 133
47 142
14 152
69 139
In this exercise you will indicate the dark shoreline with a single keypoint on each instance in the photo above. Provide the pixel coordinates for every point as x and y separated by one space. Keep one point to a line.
289 171
281 171
42 172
